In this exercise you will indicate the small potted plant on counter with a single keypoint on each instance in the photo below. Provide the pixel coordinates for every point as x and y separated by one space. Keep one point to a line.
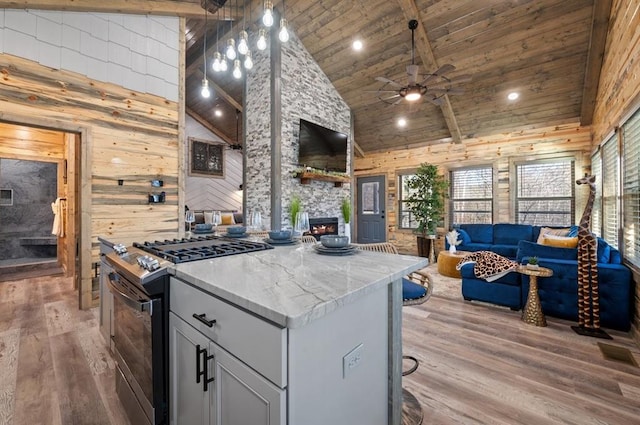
532 263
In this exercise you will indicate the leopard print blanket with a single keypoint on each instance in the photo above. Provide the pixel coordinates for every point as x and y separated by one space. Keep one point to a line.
488 265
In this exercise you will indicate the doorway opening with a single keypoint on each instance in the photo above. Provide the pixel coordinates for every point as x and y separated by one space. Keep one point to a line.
26 218
37 202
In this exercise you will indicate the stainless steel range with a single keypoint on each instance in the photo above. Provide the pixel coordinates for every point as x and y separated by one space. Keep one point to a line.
140 286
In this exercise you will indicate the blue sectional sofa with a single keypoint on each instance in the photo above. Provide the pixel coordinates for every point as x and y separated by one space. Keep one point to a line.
558 293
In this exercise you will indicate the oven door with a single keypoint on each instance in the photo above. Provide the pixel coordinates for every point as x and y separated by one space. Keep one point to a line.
134 317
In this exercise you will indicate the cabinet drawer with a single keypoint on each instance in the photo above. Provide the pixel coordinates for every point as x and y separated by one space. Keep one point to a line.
259 344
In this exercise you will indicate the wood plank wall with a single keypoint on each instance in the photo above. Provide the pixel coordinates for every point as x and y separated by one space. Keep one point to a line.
500 151
126 135
619 89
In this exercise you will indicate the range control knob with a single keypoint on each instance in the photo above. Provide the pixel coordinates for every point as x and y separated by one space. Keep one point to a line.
120 249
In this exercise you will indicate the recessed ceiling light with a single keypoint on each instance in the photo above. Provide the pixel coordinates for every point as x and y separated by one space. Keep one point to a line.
357 45
218 113
402 122
513 95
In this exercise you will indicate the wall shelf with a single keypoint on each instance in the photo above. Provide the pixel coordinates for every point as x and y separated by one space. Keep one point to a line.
306 177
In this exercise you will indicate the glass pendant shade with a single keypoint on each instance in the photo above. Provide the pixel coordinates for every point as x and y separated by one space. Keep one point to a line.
248 62
237 72
205 92
262 39
284 32
223 65
243 45
231 49
267 18
216 61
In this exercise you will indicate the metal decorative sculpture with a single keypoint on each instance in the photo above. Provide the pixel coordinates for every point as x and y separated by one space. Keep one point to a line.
588 294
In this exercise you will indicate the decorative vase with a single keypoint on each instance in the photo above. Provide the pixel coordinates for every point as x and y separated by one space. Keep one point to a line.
347 231
533 266
452 249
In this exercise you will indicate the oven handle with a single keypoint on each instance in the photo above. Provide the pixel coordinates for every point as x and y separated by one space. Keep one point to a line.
133 303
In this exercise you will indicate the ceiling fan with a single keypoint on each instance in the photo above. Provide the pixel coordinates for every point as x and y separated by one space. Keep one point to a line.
432 87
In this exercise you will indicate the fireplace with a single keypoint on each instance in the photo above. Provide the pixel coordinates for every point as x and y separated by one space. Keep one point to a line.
323 226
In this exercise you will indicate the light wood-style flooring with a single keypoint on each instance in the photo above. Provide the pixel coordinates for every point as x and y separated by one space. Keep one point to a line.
478 365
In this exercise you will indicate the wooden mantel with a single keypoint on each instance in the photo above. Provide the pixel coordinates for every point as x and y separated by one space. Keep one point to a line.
306 177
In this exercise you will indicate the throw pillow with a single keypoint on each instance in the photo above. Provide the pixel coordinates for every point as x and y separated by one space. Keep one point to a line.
560 241
227 218
549 231
208 217
464 237
573 231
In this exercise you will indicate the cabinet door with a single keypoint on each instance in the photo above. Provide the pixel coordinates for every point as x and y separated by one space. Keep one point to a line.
244 397
189 403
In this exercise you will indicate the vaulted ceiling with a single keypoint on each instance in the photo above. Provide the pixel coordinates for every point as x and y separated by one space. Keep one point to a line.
549 51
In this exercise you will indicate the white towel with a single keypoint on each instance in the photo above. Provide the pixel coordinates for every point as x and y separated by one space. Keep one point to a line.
58 207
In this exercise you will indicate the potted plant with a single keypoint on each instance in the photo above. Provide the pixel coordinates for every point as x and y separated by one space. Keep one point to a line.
532 263
345 207
427 193
294 208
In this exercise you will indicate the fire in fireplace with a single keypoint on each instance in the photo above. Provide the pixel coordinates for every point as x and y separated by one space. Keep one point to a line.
323 226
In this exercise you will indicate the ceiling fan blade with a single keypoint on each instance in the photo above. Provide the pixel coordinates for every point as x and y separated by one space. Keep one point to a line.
390 97
440 72
439 90
436 100
397 101
388 81
455 80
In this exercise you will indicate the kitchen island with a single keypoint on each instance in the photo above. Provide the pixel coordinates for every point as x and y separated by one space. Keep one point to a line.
288 336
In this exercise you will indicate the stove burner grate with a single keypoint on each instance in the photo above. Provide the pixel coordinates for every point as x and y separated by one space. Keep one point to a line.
200 248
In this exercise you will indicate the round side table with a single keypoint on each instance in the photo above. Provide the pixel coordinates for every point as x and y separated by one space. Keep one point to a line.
532 311
447 263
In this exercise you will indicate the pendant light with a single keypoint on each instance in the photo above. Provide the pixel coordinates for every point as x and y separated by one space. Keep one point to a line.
205 92
243 37
217 57
262 39
237 72
231 43
267 19
248 62
284 33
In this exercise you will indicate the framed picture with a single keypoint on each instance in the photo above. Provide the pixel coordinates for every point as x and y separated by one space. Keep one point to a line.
206 159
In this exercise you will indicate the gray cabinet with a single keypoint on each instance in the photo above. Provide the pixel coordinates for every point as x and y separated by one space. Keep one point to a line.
211 386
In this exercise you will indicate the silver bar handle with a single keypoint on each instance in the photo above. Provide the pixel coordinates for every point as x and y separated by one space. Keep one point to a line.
133 303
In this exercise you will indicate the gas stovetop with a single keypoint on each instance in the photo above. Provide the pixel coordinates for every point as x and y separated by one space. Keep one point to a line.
200 248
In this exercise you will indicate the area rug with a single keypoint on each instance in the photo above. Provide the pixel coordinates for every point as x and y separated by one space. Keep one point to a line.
443 286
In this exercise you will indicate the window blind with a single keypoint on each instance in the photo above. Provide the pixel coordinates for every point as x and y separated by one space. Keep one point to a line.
471 195
631 189
596 215
610 175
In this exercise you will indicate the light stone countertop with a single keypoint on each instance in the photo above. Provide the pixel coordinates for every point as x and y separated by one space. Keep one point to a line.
293 285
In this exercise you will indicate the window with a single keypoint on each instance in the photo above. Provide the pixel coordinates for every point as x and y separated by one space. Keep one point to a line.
596 213
471 196
545 193
610 176
631 189
406 220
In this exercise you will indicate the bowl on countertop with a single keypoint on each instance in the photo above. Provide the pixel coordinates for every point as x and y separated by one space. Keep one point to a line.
203 227
236 230
278 235
334 241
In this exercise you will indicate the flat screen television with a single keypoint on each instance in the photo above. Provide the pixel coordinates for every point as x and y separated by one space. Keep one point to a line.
322 148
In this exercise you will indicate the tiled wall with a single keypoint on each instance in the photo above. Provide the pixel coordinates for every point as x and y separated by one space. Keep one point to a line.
34 189
306 93
137 52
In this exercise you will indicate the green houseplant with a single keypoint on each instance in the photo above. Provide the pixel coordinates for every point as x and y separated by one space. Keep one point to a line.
345 208
427 191
294 208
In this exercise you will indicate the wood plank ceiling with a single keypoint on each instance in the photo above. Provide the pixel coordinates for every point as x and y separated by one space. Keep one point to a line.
547 50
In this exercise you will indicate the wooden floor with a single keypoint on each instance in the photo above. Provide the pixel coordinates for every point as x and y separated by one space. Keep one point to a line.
478 365
54 366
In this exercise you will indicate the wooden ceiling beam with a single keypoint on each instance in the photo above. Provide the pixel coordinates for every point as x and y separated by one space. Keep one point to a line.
188 9
597 44
206 124
423 47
